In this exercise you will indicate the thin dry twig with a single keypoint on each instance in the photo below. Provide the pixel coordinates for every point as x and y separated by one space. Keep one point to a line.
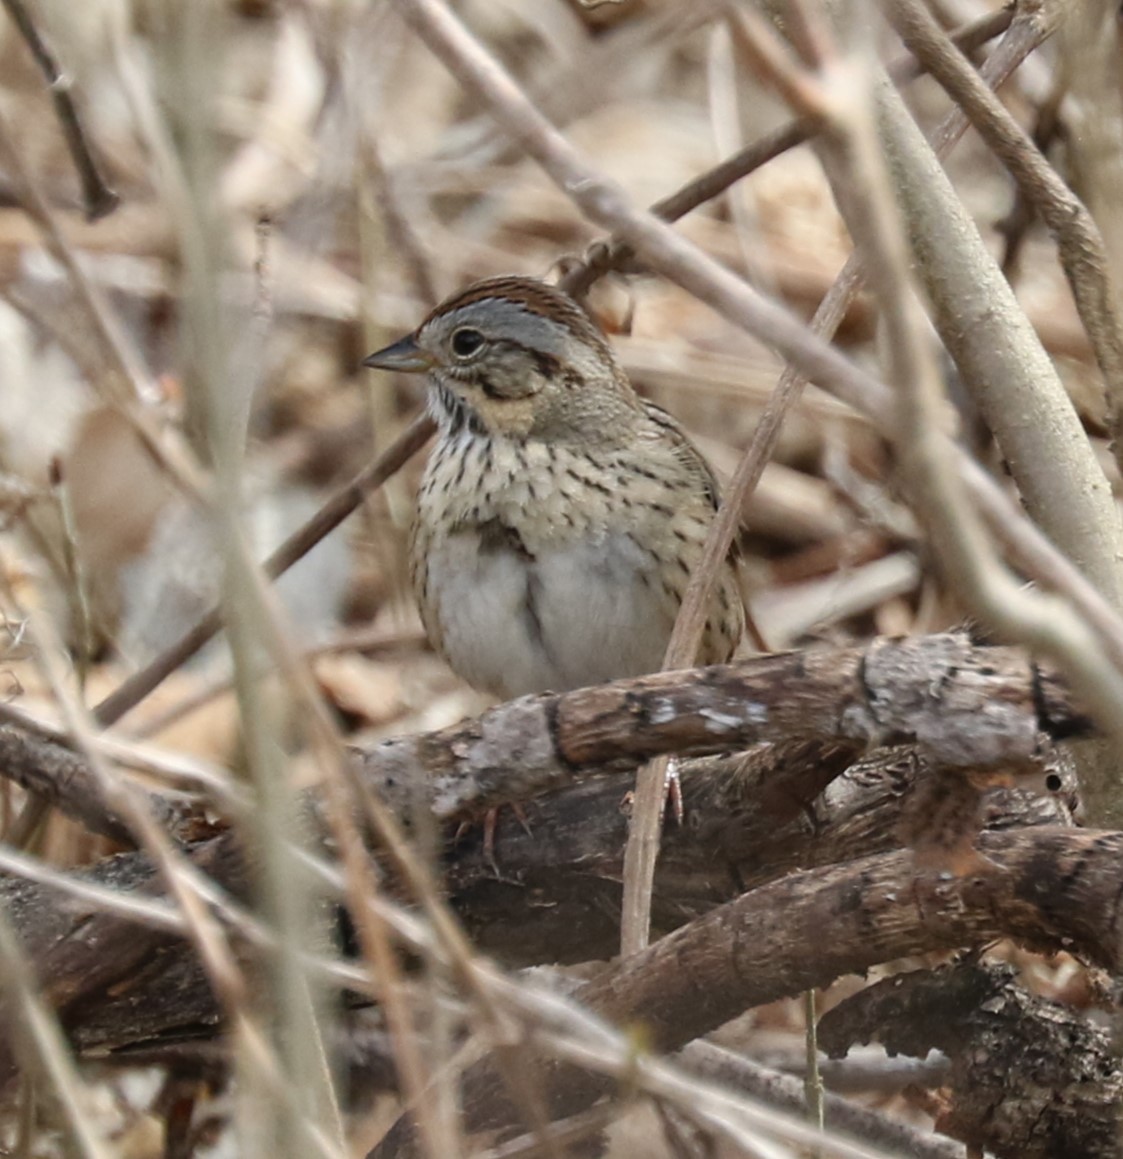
133 690
98 197
616 254
682 648
785 1091
37 1030
1080 245
124 388
994 594
862 188
602 257
342 794
190 891
665 251
1061 482
397 224
710 970
281 1034
1064 633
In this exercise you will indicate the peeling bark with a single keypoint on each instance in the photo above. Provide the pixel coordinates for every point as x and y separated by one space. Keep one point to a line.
1029 1079
1047 888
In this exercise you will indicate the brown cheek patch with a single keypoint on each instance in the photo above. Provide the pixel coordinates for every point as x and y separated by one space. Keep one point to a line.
513 417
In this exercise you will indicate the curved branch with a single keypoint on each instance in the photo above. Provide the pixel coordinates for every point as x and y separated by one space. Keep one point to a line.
1047 888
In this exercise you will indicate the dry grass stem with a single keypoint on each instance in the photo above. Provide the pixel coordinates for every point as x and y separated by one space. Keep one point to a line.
267 891
331 515
125 386
39 1035
1079 243
674 257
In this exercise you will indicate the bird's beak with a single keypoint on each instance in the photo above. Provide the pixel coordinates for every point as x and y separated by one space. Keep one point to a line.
404 354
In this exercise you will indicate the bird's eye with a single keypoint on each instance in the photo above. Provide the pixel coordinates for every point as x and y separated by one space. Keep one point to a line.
466 341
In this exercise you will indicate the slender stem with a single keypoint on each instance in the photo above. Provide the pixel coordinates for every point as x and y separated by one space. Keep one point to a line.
812 1080
133 690
99 198
643 844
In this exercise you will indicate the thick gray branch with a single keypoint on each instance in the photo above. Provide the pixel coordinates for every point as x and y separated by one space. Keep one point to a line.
967 707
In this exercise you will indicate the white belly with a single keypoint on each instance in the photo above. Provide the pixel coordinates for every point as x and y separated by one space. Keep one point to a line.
569 617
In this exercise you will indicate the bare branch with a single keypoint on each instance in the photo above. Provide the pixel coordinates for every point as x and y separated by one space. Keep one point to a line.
99 198
690 623
330 516
1028 1077
1072 643
809 928
1079 243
